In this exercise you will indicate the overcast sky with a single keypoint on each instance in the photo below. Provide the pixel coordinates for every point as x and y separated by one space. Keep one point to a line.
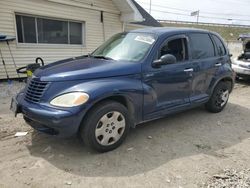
230 11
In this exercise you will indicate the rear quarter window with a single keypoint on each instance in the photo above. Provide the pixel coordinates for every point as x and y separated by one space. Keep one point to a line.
201 46
221 50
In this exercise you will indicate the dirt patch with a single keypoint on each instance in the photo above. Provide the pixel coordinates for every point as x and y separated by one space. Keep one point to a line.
182 150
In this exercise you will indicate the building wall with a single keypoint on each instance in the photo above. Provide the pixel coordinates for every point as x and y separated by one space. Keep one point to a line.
87 11
129 27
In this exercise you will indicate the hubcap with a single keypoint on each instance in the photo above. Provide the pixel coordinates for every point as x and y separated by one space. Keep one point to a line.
110 128
222 98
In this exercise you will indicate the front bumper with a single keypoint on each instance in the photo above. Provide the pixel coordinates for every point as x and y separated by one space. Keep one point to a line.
240 70
50 120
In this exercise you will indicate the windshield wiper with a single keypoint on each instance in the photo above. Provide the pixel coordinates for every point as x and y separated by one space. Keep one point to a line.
101 57
88 55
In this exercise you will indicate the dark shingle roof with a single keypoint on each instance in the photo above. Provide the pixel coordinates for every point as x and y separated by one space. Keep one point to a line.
148 19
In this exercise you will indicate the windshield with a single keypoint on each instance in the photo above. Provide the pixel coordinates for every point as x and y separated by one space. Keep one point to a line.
126 46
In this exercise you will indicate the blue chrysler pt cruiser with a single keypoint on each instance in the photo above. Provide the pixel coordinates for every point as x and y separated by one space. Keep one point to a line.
132 78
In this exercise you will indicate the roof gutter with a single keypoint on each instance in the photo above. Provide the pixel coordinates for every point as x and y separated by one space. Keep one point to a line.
129 12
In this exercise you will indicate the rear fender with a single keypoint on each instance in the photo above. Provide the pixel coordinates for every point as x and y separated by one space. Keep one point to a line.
216 81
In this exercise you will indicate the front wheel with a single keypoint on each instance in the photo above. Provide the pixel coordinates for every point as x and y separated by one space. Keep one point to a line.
105 126
219 98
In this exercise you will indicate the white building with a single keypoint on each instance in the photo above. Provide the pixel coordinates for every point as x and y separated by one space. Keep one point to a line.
59 29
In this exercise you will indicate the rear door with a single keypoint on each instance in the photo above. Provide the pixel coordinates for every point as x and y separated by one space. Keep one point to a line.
205 65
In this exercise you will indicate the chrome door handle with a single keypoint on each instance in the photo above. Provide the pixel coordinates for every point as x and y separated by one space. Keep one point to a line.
217 64
189 70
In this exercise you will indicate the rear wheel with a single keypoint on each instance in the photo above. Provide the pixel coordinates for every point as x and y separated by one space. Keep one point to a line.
105 126
219 98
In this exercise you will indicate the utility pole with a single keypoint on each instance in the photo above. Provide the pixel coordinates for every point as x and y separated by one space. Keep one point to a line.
198 14
230 21
150 3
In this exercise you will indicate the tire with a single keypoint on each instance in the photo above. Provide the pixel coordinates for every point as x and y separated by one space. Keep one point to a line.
105 126
219 98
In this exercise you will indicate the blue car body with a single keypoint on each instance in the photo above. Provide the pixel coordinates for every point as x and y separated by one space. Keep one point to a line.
148 92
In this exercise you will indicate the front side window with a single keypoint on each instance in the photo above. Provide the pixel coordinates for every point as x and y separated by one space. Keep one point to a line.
220 47
48 31
201 46
126 46
177 48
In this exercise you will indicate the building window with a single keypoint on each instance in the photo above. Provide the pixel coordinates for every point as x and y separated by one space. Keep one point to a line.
48 31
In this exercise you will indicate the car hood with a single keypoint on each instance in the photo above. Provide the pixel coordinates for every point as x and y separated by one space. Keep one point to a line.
86 68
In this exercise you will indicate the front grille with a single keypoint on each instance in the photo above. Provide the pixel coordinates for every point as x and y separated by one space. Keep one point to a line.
35 90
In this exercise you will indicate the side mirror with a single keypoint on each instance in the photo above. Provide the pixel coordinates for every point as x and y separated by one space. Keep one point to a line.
164 60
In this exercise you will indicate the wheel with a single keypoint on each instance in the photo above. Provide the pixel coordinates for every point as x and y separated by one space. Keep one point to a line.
106 126
219 98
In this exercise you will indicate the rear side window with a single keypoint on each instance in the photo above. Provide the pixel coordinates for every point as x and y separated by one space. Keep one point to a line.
220 47
201 46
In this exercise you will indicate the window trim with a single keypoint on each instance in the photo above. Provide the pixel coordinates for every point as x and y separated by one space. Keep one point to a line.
28 45
217 48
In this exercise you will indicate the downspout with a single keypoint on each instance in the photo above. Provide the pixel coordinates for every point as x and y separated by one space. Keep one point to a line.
103 26
123 26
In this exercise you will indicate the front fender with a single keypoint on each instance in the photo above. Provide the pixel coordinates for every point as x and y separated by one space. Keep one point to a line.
129 88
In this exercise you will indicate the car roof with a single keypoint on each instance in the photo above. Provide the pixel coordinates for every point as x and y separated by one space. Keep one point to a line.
169 30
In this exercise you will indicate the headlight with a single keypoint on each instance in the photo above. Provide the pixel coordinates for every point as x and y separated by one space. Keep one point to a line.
70 99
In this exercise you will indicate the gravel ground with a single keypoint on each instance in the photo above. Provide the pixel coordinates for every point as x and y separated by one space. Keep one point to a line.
230 178
189 149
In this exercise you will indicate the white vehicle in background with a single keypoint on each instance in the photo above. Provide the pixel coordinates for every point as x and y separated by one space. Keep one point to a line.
241 64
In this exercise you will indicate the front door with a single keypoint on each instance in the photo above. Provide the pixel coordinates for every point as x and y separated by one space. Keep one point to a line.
168 87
